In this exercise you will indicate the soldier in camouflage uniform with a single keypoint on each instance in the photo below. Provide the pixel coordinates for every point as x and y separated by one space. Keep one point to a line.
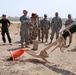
56 25
67 23
45 26
35 25
38 27
24 29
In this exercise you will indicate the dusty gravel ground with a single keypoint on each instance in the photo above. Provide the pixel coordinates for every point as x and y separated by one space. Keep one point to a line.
60 63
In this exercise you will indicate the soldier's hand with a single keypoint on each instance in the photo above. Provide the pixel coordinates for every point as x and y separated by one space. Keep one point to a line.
28 22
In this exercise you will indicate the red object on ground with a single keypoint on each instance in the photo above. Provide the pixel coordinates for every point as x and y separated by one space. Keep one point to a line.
17 53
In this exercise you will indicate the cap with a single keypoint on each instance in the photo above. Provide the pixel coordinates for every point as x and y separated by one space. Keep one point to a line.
25 11
45 15
3 15
33 14
56 13
69 15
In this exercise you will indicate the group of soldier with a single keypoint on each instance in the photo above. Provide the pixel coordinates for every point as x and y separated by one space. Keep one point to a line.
33 28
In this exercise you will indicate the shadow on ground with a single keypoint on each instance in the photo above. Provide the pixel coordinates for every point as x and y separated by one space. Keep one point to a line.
5 45
72 50
18 42
53 67
13 49
58 70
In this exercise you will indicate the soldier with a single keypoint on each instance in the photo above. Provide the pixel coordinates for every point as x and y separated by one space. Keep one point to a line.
35 25
4 29
24 29
45 26
38 26
56 25
67 23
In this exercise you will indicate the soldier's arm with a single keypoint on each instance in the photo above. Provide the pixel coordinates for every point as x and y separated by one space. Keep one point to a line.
38 23
60 23
0 26
8 23
41 24
66 27
51 24
0 22
73 21
65 23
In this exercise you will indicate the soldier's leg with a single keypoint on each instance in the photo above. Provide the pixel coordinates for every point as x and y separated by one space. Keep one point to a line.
33 34
57 33
70 40
3 36
42 35
22 38
8 36
52 35
26 39
30 38
46 35
38 34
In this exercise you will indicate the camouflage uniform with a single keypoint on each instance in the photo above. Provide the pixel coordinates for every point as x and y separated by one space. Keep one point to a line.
38 27
24 30
67 23
45 25
56 25
34 30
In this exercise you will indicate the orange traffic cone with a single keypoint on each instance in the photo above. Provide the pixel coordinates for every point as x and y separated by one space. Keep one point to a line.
17 53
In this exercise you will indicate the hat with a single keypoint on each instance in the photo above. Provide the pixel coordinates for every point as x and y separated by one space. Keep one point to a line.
33 14
69 15
45 15
56 13
3 15
25 11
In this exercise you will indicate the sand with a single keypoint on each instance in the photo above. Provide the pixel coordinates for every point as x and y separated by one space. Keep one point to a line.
60 63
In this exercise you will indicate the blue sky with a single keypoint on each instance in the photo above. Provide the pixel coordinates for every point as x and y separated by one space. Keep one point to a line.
49 7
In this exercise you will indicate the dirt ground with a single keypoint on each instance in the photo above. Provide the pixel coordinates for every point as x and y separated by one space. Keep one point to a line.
60 63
